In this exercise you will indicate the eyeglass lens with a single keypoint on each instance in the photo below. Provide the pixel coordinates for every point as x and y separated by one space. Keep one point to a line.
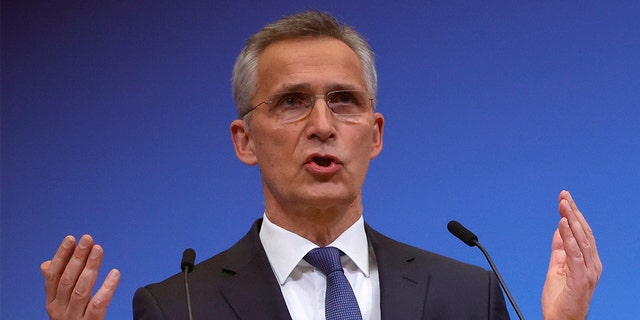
292 106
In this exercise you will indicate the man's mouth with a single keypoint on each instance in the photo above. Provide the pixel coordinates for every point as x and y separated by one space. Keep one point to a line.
323 164
322 161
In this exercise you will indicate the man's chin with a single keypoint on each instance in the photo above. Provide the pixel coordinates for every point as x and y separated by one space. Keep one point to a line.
328 197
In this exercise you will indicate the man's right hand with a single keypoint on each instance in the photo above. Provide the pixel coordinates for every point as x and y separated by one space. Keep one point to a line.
69 279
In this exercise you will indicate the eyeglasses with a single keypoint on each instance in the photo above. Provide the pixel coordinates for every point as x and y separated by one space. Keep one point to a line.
289 107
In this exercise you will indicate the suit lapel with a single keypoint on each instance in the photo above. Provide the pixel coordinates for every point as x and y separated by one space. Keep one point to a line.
251 288
403 283
253 292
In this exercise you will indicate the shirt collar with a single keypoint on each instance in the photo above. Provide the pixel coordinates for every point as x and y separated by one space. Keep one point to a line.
286 249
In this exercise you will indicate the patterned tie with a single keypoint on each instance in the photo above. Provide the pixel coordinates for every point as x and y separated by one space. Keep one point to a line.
340 303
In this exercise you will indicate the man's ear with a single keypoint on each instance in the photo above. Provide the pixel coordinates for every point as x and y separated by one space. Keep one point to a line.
242 142
378 126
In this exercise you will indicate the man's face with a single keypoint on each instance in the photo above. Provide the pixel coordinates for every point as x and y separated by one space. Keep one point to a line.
318 162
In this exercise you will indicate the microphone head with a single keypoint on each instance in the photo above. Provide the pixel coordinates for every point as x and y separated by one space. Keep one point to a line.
462 233
188 259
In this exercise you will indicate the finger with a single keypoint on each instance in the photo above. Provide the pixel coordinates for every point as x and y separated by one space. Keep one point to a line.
74 268
575 228
556 243
558 255
580 281
573 255
52 269
97 307
581 231
566 195
577 214
84 285
593 254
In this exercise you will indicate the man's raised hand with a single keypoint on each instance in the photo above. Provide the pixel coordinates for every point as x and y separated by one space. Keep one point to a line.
70 277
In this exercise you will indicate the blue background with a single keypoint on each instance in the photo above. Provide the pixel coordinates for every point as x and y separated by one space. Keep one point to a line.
115 120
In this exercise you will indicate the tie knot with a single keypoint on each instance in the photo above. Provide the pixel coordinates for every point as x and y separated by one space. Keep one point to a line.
326 259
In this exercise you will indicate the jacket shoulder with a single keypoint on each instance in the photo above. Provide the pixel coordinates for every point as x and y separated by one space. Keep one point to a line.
207 283
445 288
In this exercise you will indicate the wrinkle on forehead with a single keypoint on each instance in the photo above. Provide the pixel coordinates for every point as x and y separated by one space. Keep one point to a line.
322 65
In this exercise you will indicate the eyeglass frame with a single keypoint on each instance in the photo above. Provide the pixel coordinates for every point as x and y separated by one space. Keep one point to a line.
313 101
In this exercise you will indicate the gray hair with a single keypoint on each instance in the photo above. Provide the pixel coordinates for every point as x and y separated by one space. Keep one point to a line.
311 24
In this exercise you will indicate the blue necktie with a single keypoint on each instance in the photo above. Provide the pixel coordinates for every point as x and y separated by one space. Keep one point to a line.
340 303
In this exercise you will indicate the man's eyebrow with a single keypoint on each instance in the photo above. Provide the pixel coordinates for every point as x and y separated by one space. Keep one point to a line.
306 87
341 86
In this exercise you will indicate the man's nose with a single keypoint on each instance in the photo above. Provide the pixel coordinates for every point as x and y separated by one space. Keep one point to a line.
321 120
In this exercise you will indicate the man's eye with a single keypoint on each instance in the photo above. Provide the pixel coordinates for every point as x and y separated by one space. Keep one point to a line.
343 97
292 100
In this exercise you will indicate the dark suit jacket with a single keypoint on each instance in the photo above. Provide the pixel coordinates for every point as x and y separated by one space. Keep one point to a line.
239 284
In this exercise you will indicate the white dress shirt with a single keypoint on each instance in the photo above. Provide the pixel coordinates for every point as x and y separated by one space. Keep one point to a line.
303 287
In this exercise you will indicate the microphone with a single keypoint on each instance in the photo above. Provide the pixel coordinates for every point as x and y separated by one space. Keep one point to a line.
471 240
188 259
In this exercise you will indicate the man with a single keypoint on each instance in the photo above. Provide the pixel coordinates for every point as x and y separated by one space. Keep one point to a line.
305 91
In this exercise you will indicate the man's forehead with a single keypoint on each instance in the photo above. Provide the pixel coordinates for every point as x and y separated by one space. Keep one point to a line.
287 50
298 63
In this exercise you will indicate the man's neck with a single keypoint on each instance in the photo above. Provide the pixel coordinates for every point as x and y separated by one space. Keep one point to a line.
320 226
